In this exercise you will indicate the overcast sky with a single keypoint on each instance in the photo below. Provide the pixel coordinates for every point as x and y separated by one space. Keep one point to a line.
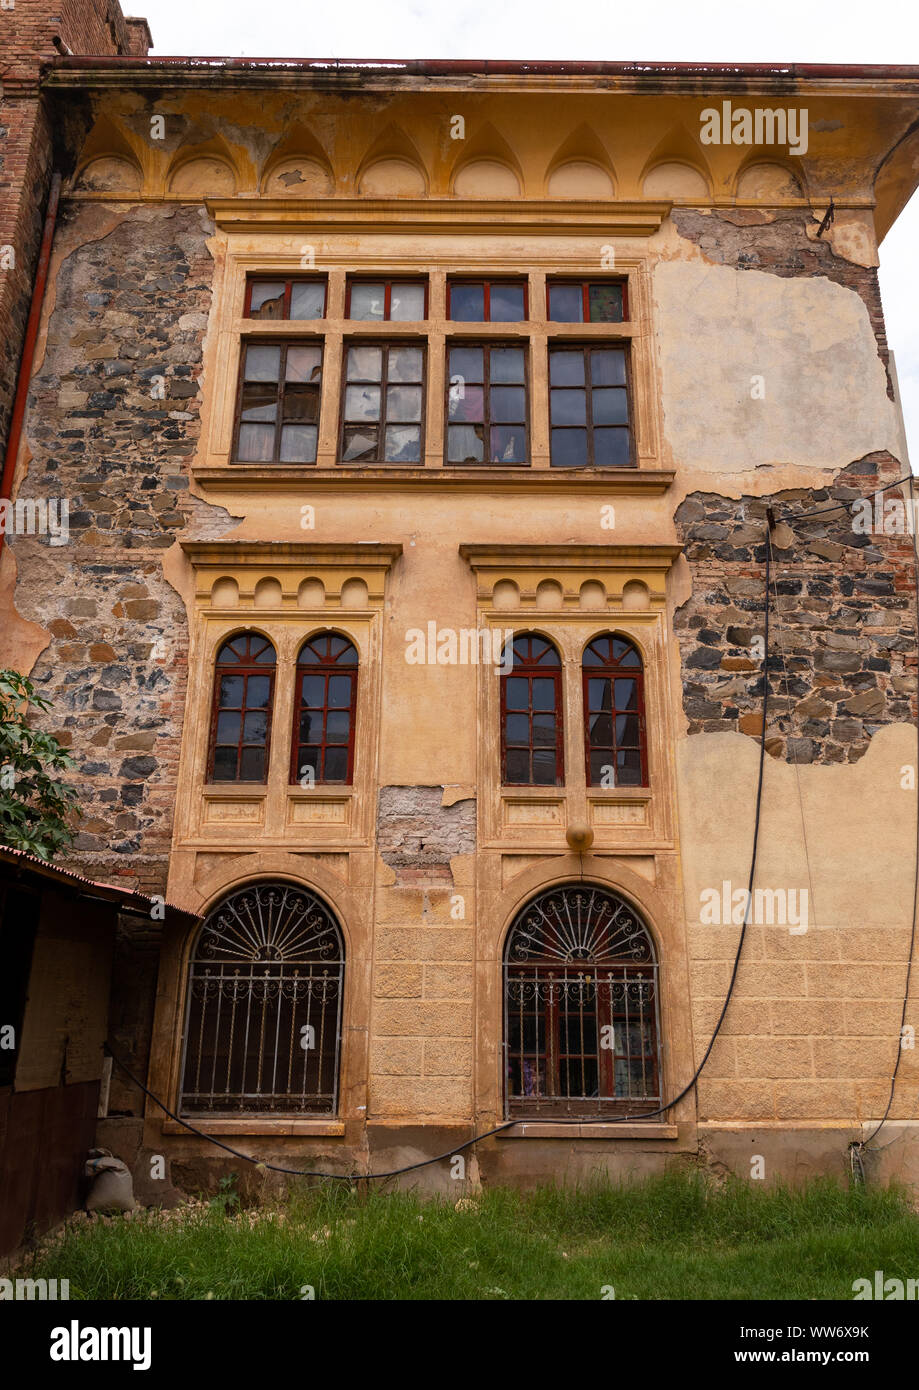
846 31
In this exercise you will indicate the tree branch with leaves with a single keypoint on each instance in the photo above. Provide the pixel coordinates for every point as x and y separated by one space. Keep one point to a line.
36 804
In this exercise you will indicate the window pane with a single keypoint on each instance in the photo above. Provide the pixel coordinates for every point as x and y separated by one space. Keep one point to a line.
402 444
569 448
310 726
466 402
611 448
362 403
365 363
543 693
610 406
256 443
627 730
506 303
259 401
544 730
406 304
628 767
543 767
601 763
468 363
298 443
403 403
359 443
607 367
517 693
308 761
598 695
263 363
340 691
467 303
517 729
336 764
304 363
267 299
252 765
255 726
337 726
307 301
405 364
627 694
517 766
600 730
507 365
566 304
312 691
228 726
508 403
224 764
566 368
465 444
508 444
568 407
301 403
231 692
605 303
367 301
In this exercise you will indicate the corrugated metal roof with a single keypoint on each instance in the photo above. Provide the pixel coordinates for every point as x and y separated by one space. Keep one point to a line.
54 872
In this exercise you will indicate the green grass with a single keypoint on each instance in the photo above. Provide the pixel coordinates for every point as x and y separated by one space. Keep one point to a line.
675 1236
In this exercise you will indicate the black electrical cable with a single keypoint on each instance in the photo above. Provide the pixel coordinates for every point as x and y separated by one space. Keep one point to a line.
844 506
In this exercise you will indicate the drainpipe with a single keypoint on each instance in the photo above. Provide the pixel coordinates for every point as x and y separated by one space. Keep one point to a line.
28 349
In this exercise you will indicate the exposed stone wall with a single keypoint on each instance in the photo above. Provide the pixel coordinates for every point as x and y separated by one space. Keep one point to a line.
418 834
113 420
842 625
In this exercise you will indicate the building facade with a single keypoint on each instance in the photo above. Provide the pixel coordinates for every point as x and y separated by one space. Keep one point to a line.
424 429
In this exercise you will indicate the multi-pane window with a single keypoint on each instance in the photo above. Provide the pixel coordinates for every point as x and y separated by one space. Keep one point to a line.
326 701
278 404
263 1013
241 716
531 715
395 301
487 404
580 1007
586 301
487 301
589 407
382 411
614 713
285 299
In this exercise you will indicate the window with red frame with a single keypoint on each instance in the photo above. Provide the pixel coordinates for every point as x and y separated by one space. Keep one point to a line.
487 301
531 715
324 710
614 714
241 716
586 301
487 409
277 414
387 301
285 299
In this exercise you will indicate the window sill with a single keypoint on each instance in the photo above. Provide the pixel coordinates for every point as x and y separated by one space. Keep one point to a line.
588 1129
321 1127
231 789
236 477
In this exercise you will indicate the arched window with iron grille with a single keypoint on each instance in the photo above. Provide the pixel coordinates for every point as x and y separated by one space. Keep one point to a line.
614 713
322 748
241 713
263 1013
531 715
581 1023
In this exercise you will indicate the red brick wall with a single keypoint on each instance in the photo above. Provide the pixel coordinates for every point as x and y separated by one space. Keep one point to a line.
26 34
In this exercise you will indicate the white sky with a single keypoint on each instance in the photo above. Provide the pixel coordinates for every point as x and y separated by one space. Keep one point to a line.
845 31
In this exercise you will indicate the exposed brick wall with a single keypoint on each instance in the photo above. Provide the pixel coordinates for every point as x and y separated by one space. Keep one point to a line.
777 243
28 131
843 615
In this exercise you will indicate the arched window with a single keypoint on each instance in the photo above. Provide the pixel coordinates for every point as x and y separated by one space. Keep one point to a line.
580 1007
614 714
263 1017
531 715
241 718
322 748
